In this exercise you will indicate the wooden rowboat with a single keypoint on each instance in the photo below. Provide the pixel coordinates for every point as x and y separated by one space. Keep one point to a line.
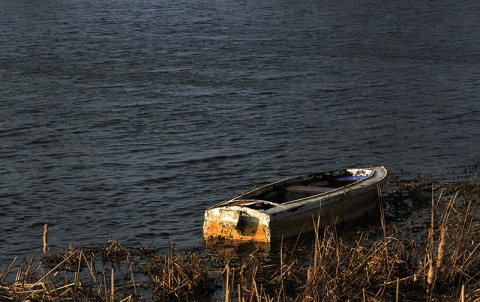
295 205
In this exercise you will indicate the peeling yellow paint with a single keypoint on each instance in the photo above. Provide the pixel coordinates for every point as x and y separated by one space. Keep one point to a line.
236 225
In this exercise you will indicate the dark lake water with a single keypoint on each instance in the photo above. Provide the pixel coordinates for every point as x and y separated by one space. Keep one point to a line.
124 120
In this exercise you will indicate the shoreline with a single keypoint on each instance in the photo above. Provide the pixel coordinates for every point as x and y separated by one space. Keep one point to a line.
421 244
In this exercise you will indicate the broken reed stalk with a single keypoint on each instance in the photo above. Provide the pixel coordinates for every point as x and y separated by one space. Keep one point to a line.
112 286
227 283
77 282
435 262
45 238
7 270
54 269
429 257
132 275
465 229
430 280
382 213
441 246
397 291
104 285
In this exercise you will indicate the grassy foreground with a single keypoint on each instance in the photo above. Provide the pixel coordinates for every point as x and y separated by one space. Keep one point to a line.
423 244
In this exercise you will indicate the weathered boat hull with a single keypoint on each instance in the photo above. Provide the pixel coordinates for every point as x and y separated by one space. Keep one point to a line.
333 210
250 216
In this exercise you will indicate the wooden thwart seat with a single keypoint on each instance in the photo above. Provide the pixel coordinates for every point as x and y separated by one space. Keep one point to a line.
308 189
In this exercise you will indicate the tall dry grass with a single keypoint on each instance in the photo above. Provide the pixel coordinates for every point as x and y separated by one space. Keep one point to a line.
441 264
179 276
109 273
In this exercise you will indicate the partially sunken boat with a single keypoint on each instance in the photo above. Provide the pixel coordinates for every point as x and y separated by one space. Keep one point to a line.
295 205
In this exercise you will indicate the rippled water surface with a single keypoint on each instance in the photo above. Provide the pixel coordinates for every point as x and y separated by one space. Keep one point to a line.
127 119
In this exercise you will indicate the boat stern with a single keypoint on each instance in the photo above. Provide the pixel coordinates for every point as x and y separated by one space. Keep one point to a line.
236 223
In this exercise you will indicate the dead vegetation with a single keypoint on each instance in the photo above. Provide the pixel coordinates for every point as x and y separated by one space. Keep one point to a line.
431 253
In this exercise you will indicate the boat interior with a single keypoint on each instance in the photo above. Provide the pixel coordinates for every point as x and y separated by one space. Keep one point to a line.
288 191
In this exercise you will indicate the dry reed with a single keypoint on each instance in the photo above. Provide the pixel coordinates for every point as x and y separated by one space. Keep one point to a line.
444 266
437 259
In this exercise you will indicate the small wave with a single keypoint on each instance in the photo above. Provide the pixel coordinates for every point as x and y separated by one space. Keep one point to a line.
213 158
336 89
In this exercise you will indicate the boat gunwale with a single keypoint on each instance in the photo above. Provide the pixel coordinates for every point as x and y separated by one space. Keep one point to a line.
374 178
364 183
